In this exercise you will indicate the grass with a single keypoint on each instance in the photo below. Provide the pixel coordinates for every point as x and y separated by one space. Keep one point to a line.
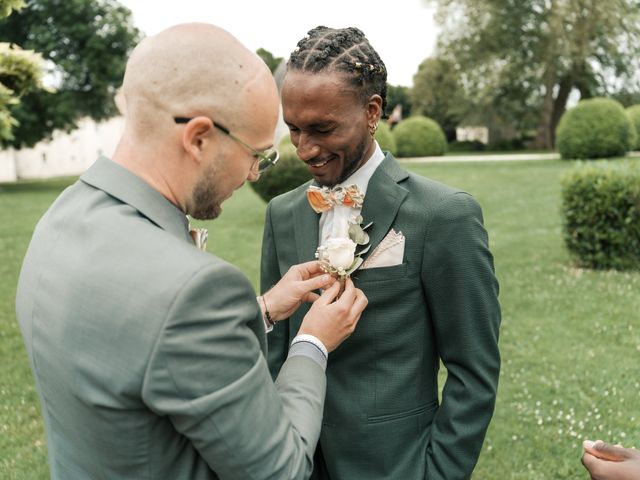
570 338
454 153
22 444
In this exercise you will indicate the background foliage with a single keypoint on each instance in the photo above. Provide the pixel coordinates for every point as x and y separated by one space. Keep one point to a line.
419 136
286 175
20 72
85 44
437 93
520 60
595 128
385 138
399 95
634 115
271 60
601 214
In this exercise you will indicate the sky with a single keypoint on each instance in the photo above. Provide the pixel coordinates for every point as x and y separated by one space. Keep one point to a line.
402 32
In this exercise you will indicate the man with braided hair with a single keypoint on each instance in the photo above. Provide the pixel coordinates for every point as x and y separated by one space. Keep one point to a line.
428 275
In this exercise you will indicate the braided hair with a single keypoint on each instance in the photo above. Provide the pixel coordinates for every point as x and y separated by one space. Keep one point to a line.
344 50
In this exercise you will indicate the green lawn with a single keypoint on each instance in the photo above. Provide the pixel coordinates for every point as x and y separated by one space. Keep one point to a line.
570 338
454 153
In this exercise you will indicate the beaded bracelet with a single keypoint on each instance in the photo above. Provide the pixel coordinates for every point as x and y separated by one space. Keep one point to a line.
267 315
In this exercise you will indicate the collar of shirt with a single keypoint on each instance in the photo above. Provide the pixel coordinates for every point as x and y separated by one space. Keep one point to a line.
334 223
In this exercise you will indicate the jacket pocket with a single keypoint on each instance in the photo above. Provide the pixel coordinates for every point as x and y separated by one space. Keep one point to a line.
380 274
431 406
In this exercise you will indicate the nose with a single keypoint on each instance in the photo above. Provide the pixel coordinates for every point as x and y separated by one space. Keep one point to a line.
306 148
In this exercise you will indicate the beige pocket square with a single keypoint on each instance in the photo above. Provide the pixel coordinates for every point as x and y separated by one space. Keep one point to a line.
388 253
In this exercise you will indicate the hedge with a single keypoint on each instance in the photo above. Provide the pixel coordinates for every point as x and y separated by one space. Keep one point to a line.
634 115
419 137
286 175
595 128
601 214
385 138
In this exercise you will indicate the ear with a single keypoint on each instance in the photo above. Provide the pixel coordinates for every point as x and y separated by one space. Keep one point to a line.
374 109
197 136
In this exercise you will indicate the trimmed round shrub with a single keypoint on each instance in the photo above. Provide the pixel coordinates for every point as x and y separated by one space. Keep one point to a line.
601 214
634 115
286 175
595 128
385 138
419 137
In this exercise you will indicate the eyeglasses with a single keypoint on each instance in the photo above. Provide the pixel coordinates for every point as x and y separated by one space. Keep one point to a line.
265 158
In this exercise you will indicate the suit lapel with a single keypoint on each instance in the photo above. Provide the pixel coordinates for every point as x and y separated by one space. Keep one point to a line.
124 185
306 228
383 199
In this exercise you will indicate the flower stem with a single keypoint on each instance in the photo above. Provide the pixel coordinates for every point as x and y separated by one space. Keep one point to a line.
342 281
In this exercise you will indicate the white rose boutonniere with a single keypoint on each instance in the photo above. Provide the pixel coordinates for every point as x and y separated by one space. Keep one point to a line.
338 256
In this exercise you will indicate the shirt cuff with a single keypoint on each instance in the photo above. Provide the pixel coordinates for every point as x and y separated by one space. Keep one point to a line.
310 346
267 326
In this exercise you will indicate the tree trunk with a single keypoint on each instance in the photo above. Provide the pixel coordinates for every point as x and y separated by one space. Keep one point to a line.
544 135
544 139
560 105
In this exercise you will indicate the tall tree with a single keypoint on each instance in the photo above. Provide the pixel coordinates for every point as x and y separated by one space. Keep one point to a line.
267 57
437 93
521 58
628 97
85 44
399 95
7 6
20 72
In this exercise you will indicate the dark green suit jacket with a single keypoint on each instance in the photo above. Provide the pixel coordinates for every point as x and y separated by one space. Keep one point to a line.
382 417
148 353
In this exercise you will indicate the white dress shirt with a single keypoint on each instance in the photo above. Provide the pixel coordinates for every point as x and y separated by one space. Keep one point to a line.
334 223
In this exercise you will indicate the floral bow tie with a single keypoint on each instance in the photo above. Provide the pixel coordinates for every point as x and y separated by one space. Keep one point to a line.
199 236
322 199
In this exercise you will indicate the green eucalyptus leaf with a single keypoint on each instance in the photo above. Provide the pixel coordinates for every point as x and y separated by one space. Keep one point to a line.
354 266
361 238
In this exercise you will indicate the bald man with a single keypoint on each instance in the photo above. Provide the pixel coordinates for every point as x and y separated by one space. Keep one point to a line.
149 353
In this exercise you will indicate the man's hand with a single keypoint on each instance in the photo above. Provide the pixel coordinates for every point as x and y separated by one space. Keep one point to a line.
294 288
331 320
610 462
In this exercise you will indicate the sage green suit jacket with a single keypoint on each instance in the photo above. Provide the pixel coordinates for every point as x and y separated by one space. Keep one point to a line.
149 354
382 416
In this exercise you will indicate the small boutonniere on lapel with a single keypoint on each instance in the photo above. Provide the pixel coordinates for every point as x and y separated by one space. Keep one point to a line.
200 237
340 256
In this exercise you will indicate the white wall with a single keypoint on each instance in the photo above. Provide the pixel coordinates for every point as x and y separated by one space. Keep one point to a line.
470 134
65 154
7 166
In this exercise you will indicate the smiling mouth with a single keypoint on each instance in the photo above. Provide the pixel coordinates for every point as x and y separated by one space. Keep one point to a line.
319 164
